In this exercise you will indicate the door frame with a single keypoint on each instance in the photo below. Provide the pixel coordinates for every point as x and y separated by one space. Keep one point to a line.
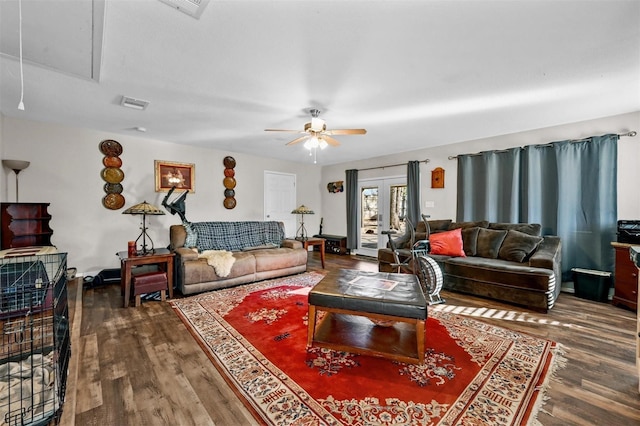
384 184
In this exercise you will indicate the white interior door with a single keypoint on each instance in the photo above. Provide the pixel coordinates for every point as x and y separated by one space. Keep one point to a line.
381 204
280 200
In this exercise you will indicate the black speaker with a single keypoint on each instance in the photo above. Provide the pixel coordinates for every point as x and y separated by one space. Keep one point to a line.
629 231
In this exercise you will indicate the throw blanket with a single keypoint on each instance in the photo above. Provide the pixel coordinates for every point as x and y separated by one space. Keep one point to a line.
221 260
27 385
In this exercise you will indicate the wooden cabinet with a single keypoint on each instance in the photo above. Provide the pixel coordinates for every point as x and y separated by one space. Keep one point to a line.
25 224
626 278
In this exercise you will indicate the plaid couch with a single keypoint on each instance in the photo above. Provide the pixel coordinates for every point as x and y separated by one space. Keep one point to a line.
259 248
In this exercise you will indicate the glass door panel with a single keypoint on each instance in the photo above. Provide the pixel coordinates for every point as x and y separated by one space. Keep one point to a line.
382 205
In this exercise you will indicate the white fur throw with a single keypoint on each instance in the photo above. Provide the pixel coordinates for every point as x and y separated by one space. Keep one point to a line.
221 260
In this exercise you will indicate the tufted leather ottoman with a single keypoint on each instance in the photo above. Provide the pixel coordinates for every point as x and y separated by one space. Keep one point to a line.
148 283
373 313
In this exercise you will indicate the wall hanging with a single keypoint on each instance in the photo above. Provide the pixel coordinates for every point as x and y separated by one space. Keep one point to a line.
229 182
334 187
437 177
181 176
112 174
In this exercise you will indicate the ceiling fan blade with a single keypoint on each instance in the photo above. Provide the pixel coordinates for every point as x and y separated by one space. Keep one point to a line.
331 141
300 139
284 130
345 132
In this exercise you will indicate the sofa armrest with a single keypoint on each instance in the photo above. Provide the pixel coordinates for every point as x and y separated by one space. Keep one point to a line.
184 254
549 256
293 244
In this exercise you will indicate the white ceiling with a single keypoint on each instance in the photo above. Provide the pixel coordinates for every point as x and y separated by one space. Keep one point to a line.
415 74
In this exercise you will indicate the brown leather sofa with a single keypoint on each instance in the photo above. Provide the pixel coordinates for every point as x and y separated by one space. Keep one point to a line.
256 259
489 268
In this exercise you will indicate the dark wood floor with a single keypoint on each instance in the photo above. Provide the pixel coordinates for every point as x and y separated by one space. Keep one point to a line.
140 366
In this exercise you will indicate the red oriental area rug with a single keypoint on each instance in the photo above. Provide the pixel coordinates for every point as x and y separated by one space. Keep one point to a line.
473 374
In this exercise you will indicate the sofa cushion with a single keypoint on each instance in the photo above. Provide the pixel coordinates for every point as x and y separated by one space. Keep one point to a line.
489 242
234 236
517 246
470 240
464 225
527 228
436 225
447 243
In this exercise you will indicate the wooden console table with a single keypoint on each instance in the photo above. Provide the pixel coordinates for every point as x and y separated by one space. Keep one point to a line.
161 257
336 244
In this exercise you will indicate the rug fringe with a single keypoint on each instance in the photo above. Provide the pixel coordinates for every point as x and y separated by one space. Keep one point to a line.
558 362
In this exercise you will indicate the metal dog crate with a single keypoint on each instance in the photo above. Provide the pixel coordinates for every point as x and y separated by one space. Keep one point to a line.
36 346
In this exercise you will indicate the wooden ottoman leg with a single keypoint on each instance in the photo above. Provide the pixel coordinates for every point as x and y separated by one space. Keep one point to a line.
312 325
137 300
162 295
420 339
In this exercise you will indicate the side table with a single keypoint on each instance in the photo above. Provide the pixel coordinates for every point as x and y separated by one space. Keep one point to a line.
161 257
315 242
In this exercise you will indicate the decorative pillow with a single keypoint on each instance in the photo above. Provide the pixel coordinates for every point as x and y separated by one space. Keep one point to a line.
489 242
517 246
192 235
470 240
527 228
448 243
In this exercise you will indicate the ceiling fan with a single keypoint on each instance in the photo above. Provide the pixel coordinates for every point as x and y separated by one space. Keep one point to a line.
316 134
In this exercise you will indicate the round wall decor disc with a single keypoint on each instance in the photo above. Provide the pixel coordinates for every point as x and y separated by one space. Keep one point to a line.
112 174
229 202
112 162
110 148
113 188
229 193
229 162
229 182
113 201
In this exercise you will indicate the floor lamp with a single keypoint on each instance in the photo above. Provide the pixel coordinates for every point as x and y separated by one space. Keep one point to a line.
17 166
144 209
301 234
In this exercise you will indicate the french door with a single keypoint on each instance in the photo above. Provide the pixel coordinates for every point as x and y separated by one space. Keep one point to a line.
382 203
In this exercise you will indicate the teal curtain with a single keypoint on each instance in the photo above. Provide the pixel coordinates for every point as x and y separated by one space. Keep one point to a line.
489 186
568 187
413 192
351 192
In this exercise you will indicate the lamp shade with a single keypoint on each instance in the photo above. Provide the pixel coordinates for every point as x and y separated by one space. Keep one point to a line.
144 208
302 210
15 165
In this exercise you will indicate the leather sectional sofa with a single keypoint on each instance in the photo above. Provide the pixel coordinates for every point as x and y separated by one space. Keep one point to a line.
259 249
502 261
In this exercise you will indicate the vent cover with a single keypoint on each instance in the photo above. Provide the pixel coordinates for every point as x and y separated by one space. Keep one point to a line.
190 7
134 103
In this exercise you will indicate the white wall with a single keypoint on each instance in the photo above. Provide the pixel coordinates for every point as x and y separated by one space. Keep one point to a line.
65 171
334 205
66 164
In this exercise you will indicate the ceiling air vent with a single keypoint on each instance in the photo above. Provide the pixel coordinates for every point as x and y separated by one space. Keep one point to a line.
134 103
190 7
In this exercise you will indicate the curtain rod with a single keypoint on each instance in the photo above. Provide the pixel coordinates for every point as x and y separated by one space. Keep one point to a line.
631 134
392 165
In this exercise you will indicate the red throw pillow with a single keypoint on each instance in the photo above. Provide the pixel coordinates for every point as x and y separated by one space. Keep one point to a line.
447 243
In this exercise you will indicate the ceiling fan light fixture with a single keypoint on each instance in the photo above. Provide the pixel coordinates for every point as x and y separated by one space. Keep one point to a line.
318 124
322 143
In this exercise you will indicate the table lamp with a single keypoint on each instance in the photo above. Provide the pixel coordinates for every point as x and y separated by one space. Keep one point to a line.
17 166
144 209
301 234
